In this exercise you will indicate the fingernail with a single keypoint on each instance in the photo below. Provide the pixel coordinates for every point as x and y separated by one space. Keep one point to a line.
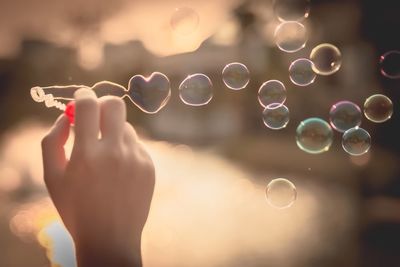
83 93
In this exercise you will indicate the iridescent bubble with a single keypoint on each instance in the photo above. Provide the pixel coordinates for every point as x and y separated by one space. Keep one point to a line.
314 136
292 10
356 141
327 59
301 72
196 90
345 115
236 76
290 36
276 116
184 20
378 108
281 193
271 92
390 64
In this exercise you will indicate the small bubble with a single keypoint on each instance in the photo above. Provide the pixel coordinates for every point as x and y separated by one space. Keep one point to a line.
236 76
301 72
345 115
184 20
327 59
281 193
196 90
276 116
314 136
272 92
290 36
390 64
292 10
356 141
378 108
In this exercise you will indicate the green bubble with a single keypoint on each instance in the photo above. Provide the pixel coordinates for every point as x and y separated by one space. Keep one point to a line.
314 136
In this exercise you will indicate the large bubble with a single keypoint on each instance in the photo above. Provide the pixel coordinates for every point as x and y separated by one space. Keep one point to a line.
314 136
196 90
345 115
327 59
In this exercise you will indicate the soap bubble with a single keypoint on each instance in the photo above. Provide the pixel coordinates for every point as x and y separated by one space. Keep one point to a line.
271 92
301 72
314 136
345 115
150 94
390 64
236 76
276 116
184 20
327 59
378 108
196 90
281 193
290 36
356 141
291 10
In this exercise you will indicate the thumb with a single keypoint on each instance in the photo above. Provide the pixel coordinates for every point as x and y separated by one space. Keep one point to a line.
53 153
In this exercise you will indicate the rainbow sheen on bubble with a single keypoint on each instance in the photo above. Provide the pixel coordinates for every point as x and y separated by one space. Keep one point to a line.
345 115
390 64
327 59
196 90
291 10
356 141
314 136
378 108
290 36
272 92
281 193
301 72
184 20
236 76
276 116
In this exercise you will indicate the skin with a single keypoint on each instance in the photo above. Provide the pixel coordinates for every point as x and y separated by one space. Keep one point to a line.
103 192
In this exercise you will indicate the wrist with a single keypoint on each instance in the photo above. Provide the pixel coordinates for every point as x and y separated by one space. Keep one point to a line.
108 254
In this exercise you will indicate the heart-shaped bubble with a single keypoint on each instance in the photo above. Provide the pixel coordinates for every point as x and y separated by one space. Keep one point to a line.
150 94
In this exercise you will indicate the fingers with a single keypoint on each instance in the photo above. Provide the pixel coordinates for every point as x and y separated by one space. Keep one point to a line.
54 159
130 135
112 118
87 113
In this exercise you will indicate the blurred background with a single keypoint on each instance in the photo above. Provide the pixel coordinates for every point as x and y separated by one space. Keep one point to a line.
213 162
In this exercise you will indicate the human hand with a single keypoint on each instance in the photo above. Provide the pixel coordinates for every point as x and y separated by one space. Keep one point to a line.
103 192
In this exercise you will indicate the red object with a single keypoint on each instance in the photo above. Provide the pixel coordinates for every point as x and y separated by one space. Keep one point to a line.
70 111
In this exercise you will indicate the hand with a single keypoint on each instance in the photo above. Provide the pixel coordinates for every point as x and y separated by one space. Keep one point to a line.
103 192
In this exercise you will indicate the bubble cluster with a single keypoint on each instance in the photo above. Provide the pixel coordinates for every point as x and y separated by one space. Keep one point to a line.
290 36
292 10
301 72
272 92
314 136
390 64
345 115
184 20
356 141
327 59
276 116
281 193
196 90
378 108
236 76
